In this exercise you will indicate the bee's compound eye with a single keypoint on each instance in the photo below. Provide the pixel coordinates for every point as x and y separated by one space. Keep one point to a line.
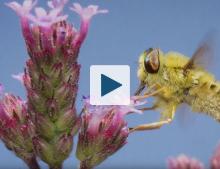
151 61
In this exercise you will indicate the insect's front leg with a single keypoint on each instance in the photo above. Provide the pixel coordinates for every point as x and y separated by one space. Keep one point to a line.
169 113
154 87
149 94
148 108
149 89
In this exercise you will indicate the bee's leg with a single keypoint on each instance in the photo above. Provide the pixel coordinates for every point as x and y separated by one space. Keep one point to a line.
146 95
140 88
153 87
150 126
148 108
158 124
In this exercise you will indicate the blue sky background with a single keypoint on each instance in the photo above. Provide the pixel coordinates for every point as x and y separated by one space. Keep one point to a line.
118 38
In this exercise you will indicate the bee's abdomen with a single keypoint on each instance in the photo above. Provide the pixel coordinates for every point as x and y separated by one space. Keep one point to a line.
206 99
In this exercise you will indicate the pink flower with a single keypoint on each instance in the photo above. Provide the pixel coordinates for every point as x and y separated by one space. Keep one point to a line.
24 9
87 13
103 132
41 17
51 77
184 162
46 19
45 31
215 160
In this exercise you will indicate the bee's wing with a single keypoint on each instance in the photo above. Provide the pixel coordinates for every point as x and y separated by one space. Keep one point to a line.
203 55
184 116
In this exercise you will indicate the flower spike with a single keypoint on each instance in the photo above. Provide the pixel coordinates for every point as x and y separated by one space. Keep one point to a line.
16 129
51 75
103 132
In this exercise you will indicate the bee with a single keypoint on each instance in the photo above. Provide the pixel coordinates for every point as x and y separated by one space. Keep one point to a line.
173 79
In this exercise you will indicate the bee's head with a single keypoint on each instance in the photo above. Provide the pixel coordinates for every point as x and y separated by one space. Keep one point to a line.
149 63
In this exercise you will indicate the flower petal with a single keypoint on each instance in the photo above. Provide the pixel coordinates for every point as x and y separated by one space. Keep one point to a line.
77 8
24 9
54 12
88 12
18 77
50 4
57 3
15 6
60 18
40 12
27 4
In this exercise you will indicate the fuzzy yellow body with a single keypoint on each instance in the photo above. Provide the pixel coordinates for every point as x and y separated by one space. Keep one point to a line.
196 87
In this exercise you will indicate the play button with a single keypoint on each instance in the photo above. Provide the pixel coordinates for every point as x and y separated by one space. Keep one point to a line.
109 85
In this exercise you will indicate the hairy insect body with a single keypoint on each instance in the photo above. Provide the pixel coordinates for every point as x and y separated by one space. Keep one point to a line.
205 98
196 86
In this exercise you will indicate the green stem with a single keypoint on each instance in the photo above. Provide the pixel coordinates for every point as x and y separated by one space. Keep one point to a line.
84 165
32 163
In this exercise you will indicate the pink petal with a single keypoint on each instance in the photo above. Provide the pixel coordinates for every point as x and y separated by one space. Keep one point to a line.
77 8
88 12
93 7
40 12
19 77
60 18
94 123
15 6
54 12
57 3
50 4
27 4
23 9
